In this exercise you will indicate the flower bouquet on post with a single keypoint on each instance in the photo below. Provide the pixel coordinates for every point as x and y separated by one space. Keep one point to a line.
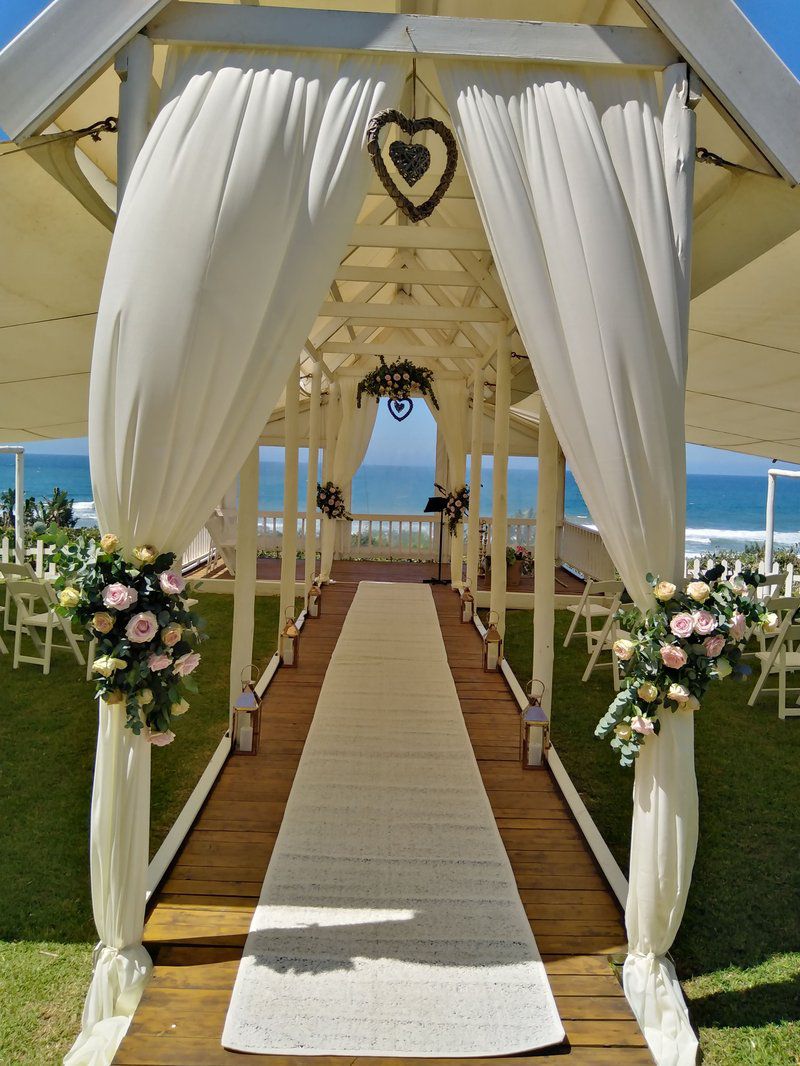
397 381
676 649
456 506
330 500
144 631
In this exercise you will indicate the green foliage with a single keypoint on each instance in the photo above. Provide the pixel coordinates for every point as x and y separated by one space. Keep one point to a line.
57 509
397 381
738 949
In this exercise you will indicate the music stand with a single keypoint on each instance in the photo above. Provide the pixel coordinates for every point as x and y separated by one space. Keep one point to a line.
437 504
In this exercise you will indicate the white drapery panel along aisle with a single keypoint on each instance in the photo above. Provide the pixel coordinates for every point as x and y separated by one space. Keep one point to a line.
453 420
573 184
236 213
353 428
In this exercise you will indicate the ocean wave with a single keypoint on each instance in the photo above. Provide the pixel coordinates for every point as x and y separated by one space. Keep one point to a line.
713 536
85 513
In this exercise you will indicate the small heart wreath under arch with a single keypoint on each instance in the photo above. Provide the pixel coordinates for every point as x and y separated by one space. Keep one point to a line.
412 161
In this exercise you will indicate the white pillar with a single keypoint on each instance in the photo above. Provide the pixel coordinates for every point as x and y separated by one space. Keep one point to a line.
19 506
475 464
244 583
134 65
769 541
441 476
502 405
545 556
313 467
289 534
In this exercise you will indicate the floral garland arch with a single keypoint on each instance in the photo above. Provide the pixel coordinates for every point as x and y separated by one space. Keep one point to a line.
397 382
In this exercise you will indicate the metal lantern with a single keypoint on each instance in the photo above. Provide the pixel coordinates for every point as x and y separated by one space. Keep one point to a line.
467 605
535 729
247 715
290 641
314 607
492 645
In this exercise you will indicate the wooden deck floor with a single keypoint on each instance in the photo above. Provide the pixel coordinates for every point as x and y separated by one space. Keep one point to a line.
197 926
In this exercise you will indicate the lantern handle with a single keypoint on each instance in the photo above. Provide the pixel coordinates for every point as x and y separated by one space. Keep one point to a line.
540 688
252 676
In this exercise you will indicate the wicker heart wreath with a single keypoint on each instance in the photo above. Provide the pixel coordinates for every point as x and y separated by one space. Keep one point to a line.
411 160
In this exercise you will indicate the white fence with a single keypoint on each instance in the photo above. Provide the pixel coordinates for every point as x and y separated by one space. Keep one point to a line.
39 555
696 566
200 552
583 550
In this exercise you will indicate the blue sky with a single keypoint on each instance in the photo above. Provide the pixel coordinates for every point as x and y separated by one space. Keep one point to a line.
777 20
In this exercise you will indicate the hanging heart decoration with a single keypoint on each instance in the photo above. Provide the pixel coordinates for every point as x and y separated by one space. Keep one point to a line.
412 160
400 409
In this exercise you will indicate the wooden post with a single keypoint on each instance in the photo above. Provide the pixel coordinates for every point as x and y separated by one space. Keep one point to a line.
313 466
502 406
134 65
545 557
475 464
244 583
289 534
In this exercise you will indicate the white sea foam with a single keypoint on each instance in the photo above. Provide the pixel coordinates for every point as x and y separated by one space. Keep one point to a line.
85 513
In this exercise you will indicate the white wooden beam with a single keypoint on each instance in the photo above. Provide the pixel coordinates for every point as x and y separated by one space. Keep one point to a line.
413 275
411 312
220 25
460 188
443 237
397 349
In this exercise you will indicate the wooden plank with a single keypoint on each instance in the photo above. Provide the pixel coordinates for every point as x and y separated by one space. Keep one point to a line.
444 237
363 31
410 312
397 349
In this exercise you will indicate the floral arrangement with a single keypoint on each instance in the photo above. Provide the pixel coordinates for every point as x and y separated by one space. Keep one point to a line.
676 649
520 554
397 381
456 506
330 500
146 635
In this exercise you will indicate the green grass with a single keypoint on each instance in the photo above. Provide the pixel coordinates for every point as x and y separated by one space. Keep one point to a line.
47 737
738 949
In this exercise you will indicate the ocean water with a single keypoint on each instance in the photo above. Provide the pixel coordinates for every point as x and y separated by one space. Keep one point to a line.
722 511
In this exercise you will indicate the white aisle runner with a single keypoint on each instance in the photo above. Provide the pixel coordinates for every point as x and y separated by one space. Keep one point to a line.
389 922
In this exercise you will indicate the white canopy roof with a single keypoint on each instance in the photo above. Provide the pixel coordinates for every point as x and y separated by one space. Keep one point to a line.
438 277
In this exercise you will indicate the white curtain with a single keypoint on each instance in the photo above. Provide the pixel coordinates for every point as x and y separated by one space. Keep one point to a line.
352 431
235 216
568 169
452 417
222 525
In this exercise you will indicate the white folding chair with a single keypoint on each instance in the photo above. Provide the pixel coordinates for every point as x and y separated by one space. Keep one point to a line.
27 591
603 639
780 658
596 602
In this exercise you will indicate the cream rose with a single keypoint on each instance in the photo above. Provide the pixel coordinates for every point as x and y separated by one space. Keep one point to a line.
722 668
623 730
109 543
664 591
69 597
171 634
623 649
145 554
678 693
698 591
770 623
647 691
102 622
144 697
177 709
107 665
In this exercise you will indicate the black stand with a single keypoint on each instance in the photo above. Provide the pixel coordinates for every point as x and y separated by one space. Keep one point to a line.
434 504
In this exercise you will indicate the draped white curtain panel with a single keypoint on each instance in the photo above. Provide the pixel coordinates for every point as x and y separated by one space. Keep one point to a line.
452 418
569 172
353 432
237 211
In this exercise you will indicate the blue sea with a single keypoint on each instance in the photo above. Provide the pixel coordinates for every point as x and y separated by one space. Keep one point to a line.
722 511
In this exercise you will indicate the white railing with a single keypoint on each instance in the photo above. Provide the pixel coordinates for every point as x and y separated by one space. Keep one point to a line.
200 552
696 566
270 530
583 550
39 555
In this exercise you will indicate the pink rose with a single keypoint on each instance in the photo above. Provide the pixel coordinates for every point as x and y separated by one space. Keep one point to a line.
682 625
738 626
640 724
704 623
160 740
118 596
171 584
141 627
158 662
673 656
713 645
187 663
